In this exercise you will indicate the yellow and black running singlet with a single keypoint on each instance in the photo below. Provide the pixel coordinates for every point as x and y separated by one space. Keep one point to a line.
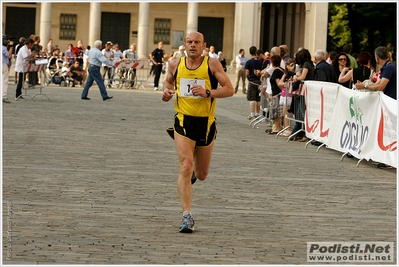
186 103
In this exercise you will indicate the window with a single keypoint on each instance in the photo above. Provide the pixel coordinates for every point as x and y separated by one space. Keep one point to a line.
68 26
162 31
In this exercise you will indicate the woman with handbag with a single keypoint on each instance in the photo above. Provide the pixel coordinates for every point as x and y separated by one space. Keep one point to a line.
361 73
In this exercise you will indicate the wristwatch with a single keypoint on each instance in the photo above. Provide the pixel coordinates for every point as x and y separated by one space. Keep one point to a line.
208 93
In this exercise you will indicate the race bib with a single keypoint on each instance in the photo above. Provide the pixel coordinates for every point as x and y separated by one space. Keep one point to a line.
187 84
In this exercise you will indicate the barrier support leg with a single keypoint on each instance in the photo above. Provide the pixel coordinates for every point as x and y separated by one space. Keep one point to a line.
343 155
357 165
308 142
320 146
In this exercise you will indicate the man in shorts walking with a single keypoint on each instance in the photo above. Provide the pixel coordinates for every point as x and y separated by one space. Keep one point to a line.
194 80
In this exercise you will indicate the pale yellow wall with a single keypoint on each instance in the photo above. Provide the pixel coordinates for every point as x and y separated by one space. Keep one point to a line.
177 12
82 30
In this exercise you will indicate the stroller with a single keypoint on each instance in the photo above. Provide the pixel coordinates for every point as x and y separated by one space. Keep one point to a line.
54 73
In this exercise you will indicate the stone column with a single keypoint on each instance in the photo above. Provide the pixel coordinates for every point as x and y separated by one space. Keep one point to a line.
246 27
316 26
45 23
143 29
95 22
192 17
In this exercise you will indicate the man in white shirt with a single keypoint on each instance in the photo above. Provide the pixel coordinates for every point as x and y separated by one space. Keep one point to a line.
23 54
212 53
240 70
109 54
131 53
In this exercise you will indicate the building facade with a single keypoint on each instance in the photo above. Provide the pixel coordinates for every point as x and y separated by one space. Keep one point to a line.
227 26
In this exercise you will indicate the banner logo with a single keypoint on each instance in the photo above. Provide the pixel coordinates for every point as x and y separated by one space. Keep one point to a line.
354 134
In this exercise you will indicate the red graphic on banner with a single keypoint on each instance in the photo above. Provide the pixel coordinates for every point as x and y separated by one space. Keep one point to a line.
314 126
392 146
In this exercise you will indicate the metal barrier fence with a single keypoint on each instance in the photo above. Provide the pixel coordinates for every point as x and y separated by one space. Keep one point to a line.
130 74
264 107
298 107
30 68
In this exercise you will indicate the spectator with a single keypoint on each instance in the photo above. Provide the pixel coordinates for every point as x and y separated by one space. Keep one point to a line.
78 74
347 49
180 53
23 54
240 70
253 68
222 60
131 53
331 57
79 53
65 70
96 58
360 73
387 79
304 60
266 73
341 64
286 55
276 82
50 48
118 54
212 53
286 94
323 71
69 54
6 64
261 56
157 57
86 58
108 70
36 77
57 50
21 43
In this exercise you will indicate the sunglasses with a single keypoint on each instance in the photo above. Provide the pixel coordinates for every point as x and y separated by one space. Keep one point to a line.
342 59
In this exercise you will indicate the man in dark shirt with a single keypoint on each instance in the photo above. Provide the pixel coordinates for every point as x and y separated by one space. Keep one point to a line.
253 68
323 71
78 75
157 57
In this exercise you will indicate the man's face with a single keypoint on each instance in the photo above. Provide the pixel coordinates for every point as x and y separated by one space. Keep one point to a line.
212 49
160 45
194 44
29 46
133 48
76 64
242 53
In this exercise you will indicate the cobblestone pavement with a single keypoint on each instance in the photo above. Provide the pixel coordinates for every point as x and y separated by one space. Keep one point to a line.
94 182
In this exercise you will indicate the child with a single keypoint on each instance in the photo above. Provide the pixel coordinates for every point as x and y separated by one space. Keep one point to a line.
286 94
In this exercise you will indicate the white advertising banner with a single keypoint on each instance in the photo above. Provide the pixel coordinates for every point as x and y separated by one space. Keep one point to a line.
320 102
354 122
363 124
386 143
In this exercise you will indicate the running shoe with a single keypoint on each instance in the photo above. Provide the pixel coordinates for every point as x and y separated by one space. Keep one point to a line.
193 178
187 224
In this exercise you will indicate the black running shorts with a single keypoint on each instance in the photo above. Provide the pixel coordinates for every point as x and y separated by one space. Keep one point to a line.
195 128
